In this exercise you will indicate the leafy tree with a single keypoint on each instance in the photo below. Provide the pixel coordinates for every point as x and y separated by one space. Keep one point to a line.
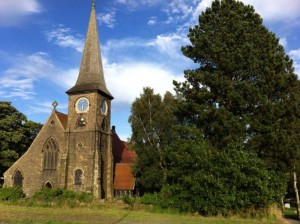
244 89
151 121
16 134
214 182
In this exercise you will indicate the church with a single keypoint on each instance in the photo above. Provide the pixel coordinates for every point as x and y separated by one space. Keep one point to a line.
79 151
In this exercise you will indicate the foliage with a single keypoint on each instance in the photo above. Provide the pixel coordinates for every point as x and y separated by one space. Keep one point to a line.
151 122
59 195
150 199
16 134
214 182
232 131
245 88
11 194
128 200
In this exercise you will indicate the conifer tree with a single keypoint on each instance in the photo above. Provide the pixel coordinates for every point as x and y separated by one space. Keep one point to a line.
244 89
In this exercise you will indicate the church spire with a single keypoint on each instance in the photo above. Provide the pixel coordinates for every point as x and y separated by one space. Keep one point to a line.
91 76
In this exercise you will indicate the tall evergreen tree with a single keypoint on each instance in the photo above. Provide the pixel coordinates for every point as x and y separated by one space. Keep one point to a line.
244 89
245 86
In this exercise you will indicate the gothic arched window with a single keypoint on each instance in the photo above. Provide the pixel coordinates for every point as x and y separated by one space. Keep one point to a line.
48 185
104 125
18 179
78 177
50 151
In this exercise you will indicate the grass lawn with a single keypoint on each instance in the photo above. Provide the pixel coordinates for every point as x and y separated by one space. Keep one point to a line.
27 215
291 213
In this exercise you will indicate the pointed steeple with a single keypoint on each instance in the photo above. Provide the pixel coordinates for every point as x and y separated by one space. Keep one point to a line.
91 76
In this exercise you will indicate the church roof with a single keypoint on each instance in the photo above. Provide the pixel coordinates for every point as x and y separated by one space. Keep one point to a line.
63 118
124 179
121 151
91 76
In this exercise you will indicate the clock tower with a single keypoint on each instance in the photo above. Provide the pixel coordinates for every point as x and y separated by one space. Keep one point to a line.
88 158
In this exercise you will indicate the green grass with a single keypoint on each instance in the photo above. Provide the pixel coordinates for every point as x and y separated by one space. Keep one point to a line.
10 213
290 213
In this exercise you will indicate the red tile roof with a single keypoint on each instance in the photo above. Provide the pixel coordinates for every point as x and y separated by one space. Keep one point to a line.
121 151
63 118
124 179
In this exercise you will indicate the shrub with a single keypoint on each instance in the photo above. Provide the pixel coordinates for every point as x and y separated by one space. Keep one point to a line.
150 199
11 194
47 194
128 200
61 198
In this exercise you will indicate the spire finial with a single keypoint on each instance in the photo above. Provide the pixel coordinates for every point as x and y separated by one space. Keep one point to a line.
94 3
54 104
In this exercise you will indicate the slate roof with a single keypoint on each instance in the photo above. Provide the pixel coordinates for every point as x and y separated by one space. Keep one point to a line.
91 76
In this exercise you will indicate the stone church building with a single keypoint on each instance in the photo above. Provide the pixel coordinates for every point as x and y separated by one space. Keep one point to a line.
79 151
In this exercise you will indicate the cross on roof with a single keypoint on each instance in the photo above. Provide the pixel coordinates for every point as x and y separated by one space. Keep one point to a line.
54 104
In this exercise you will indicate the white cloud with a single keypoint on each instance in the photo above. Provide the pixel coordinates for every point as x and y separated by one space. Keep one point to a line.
14 12
133 4
278 10
18 81
270 10
126 81
67 78
152 21
108 19
62 36
295 55
169 44
25 71
283 42
180 10
17 93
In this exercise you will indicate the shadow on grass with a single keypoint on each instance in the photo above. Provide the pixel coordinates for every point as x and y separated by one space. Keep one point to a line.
122 218
291 213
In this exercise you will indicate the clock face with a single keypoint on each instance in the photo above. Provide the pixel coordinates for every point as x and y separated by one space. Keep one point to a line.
103 107
82 104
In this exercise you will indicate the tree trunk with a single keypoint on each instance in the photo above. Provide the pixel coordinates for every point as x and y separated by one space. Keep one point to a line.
296 193
282 205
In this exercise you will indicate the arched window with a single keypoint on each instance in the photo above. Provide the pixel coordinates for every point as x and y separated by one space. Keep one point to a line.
50 151
48 185
18 179
78 177
104 125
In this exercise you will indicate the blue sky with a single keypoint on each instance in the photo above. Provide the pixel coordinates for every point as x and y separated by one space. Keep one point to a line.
41 43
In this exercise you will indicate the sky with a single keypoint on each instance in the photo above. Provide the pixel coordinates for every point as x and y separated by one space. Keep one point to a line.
41 44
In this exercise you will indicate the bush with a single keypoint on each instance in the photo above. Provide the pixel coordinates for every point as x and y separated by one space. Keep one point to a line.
228 182
47 194
58 197
11 194
128 200
150 199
